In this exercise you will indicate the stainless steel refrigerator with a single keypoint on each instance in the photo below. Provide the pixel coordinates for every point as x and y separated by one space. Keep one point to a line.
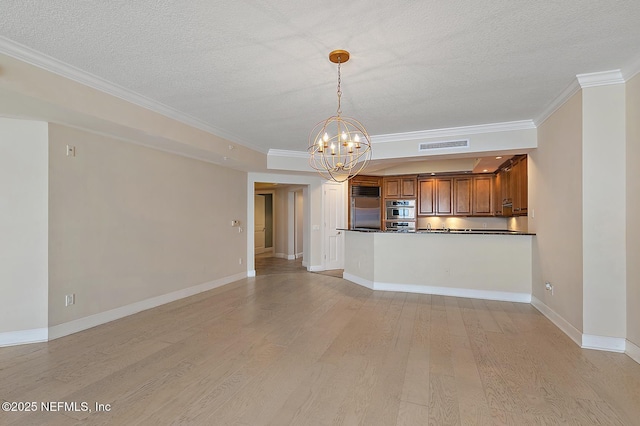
365 207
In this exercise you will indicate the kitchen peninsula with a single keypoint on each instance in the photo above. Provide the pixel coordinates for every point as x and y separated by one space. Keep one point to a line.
483 264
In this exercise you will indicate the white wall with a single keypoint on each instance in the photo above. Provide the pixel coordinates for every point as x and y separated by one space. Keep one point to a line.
555 211
129 223
633 207
24 230
603 210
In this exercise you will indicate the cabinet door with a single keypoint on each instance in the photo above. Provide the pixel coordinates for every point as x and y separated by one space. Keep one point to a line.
482 195
524 187
497 194
462 195
409 187
391 188
426 197
444 197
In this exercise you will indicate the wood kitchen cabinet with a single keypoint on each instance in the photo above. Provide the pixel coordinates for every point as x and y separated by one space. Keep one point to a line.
400 187
462 191
435 197
497 194
482 195
360 180
520 187
511 187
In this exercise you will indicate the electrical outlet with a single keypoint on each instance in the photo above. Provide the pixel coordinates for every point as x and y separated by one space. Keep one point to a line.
239 261
69 299
549 287
71 151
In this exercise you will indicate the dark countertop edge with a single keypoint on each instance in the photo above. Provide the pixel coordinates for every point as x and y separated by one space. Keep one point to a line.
437 232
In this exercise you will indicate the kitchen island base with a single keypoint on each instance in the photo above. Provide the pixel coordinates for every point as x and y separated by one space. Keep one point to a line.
493 267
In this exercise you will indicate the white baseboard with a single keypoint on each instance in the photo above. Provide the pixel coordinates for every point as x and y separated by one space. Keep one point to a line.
123 311
564 325
34 335
358 280
585 341
285 256
441 291
299 255
633 351
251 273
603 343
315 268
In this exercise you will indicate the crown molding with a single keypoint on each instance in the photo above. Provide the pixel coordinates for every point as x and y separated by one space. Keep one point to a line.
560 100
602 78
33 57
287 153
454 131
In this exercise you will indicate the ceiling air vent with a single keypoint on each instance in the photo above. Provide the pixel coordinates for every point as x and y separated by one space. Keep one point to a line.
425 146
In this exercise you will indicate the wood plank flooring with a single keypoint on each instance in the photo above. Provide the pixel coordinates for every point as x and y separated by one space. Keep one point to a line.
296 348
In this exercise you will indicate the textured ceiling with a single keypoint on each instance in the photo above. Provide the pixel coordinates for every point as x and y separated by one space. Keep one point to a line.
258 71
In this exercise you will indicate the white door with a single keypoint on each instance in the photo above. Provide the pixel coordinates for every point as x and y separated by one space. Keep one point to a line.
259 224
334 218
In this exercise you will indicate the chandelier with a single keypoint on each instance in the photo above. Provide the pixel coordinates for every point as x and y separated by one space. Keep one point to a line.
339 147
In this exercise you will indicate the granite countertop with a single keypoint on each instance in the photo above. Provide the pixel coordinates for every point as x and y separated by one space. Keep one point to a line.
482 231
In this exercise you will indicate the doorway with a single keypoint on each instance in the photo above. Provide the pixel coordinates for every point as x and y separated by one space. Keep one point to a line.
263 223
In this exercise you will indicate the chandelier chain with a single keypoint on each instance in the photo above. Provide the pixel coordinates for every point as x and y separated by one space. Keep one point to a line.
339 111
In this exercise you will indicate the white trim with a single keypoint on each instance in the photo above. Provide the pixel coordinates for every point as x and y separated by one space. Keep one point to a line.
358 280
602 78
632 351
40 60
505 296
298 255
251 273
90 321
287 153
564 325
603 343
284 256
316 268
454 131
35 335
560 100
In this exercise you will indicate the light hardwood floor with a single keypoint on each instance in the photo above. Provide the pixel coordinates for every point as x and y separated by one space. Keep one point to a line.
300 348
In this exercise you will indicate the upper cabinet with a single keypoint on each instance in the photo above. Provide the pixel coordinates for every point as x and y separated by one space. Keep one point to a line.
361 180
435 197
482 195
511 184
464 195
462 191
400 187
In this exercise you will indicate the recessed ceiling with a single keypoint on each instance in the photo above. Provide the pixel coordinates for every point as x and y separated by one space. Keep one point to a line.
258 71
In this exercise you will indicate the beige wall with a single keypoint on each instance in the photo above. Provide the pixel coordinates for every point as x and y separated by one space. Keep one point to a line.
603 210
555 211
128 223
471 265
23 227
633 207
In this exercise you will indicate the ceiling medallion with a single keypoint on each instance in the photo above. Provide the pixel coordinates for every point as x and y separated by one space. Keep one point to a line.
339 147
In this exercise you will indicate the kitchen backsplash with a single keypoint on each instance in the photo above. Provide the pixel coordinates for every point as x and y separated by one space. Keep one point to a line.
463 222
